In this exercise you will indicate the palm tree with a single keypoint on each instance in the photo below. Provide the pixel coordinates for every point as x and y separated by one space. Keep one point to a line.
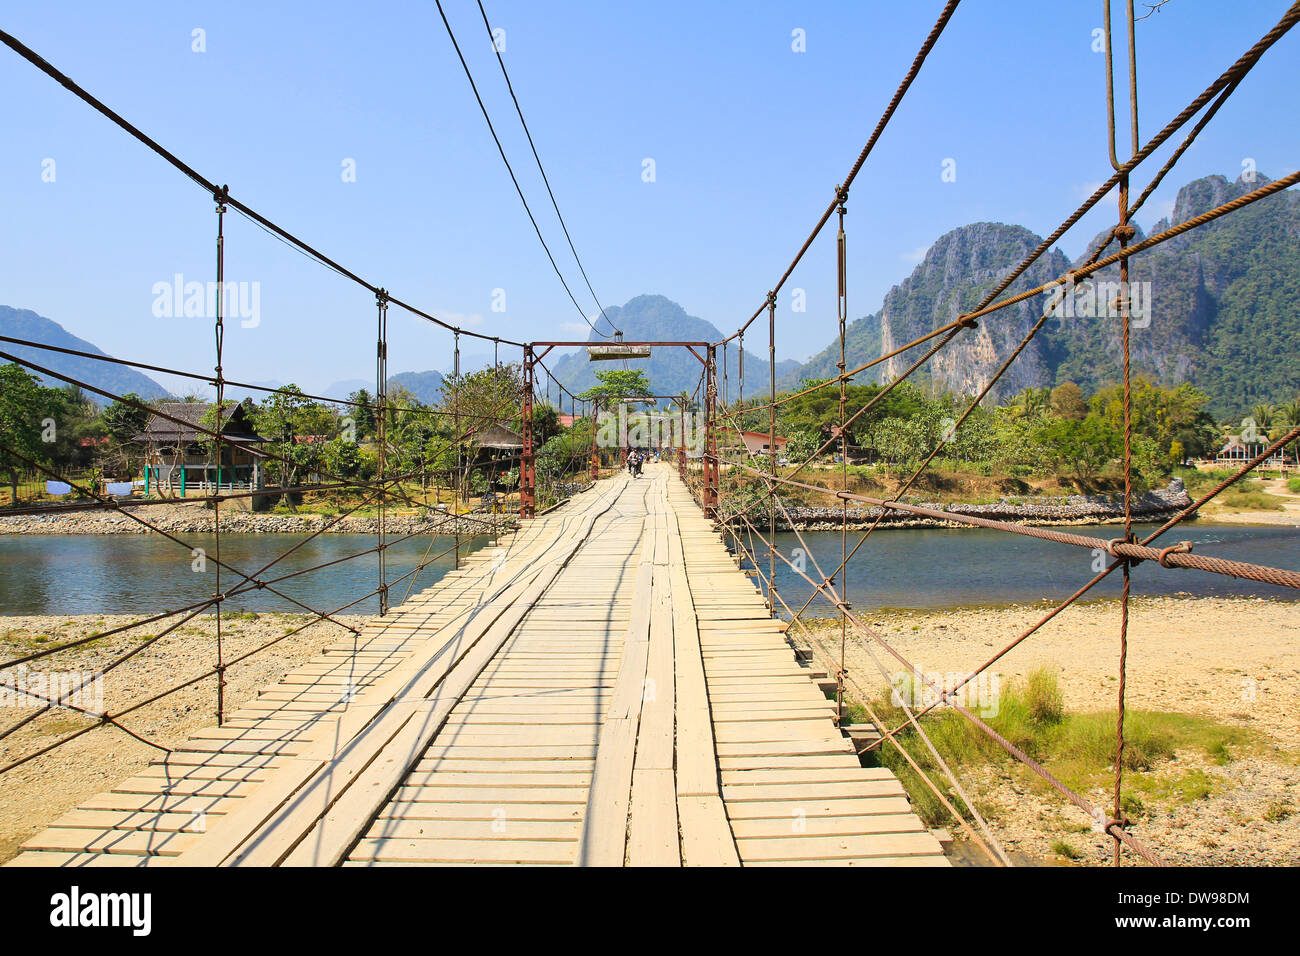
1288 416
1032 402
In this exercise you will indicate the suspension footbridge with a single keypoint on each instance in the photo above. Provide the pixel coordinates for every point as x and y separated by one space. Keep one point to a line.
603 687
610 684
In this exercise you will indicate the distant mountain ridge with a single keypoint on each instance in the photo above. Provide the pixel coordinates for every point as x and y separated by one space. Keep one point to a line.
656 318
111 377
1223 309
425 386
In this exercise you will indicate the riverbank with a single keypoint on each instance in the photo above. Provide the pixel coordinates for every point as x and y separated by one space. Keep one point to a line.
1044 511
1286 514
1230 666
196 519
41 790
1233 663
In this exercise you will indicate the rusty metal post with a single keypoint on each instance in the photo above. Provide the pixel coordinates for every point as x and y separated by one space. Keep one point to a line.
771 452
595 451
681 444
711 434
381 399
459 473
221 199
527 476
842 310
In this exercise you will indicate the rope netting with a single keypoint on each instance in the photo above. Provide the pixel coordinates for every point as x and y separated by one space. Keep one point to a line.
750 542
547 473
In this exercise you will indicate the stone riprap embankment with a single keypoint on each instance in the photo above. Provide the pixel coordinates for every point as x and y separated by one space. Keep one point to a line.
200 521
1070 510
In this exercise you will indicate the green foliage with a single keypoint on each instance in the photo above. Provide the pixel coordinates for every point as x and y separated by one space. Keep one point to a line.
362 413
1061 848
341 458
290 420
803 442
1164 415
486 397
618 383
901 440
1079 748
24 405
1043 698
1082 446
123 421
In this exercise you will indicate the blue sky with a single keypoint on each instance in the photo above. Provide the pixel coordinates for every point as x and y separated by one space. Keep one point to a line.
748 139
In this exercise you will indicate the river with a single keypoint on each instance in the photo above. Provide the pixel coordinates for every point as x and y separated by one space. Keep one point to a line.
898 567
137 573
954 567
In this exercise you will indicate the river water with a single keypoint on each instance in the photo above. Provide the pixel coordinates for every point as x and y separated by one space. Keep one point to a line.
135 573
903 568
942 567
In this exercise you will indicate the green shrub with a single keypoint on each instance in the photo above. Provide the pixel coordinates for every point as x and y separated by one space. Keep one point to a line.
1043 697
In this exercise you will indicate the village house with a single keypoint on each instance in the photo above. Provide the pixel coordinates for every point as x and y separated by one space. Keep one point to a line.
756 443
1237 451
179 458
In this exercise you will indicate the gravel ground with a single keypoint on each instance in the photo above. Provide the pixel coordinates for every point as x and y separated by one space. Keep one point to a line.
39 791
195 518
1236 660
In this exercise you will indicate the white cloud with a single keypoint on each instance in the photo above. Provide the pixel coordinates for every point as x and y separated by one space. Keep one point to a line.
579 328
916 255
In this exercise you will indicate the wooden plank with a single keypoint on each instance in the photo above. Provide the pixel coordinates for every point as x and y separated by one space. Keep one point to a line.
706 833
652 829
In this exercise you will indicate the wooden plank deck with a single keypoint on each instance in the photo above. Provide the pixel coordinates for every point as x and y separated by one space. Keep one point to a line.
603 688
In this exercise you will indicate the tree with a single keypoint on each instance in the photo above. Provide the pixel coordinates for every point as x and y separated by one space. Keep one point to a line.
1032 402
899 440
290 421
546 423
25 410
1084 447
483 398
342 458
408 430
122 422
803 443
1163 415
1068 402
619 383
363 413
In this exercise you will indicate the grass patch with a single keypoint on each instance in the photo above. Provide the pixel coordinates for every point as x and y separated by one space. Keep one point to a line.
1278 810
1061 848
1043 698
854 713
1249 495
57 726
1078 748
1189 787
